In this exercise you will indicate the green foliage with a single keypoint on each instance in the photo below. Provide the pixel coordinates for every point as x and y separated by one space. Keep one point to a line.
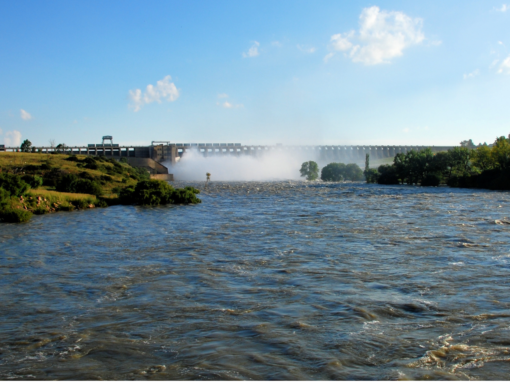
5 196
13 184
15 216
371 175
26 146
155 192
34 181
186 195
336 172
431 180
310 170
387 175
353 172
333 172
72 158
71 183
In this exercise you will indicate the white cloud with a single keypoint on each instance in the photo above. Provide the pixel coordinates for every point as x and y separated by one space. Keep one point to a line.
25 115
1 131
504 8
253 51
222 95
164 89
505 66
382 36
341 42
305 49
406 130
472 74
328 56
12 138
277 44
228 105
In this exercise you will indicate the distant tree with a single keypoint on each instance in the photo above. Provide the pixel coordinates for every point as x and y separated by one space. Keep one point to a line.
333 172
26 146
468 144
52 143
61 147
482 158
310 169
353 172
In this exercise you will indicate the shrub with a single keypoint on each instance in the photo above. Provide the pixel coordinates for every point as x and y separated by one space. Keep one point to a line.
92 166
387 174
155 192
16 216
5 196
106 178
333 172
72 158
71 183
64 184
431 180
13 184
101 204
186 195
34 181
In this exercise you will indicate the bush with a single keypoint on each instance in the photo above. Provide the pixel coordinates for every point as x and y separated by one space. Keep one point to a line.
387 174
186 195
71 183
155 192
371 175
72 158
431 180
34 181
5 196
13 184
16 216
333 172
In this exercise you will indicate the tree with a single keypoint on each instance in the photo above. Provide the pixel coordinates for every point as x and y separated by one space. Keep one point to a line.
310 169
501 153
333 172
26 146
61 147
468 144
482 158
352 172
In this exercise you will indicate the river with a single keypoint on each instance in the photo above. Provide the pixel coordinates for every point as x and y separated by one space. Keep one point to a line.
263 280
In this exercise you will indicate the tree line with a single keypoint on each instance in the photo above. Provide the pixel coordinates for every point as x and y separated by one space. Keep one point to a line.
481 167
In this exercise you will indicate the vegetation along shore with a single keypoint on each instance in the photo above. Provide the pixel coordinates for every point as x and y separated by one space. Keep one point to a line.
32 183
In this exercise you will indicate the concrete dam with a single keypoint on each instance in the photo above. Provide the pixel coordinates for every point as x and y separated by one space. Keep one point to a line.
153 157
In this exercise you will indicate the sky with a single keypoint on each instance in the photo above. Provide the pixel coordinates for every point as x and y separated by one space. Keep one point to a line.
254 72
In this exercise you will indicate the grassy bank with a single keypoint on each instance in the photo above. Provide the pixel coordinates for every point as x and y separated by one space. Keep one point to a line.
32 183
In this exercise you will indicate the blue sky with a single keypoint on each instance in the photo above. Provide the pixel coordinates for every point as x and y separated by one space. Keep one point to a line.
291 72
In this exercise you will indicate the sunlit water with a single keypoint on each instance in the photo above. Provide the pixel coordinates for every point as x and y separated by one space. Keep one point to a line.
263 281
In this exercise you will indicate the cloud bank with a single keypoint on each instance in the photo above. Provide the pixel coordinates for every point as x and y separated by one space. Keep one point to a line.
164 89
382 35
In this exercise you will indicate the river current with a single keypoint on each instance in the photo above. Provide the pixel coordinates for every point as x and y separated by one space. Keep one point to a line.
263 280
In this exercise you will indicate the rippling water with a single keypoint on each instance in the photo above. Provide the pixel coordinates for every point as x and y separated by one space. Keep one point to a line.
279 280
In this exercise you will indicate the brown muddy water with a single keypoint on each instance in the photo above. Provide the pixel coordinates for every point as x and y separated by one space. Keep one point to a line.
275 280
